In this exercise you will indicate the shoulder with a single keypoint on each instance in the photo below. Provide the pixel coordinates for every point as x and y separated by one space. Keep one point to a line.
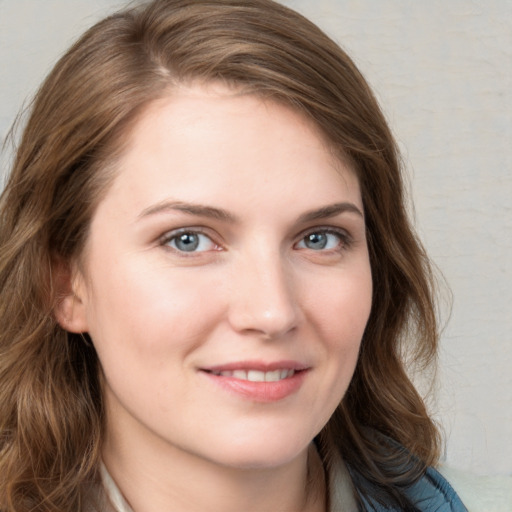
430 493
433 493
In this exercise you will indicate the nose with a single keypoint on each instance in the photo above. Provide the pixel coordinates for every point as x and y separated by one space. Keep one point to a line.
263 298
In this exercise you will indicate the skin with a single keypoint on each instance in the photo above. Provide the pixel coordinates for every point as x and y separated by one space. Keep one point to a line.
260 286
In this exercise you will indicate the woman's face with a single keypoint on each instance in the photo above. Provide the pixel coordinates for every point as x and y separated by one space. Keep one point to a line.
226 283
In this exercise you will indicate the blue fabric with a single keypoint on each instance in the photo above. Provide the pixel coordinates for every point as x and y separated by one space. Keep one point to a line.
432 493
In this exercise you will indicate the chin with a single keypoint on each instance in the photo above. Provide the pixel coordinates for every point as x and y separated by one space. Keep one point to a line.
263 451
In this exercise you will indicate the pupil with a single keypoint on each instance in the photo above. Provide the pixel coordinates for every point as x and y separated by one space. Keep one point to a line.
316 241
187 242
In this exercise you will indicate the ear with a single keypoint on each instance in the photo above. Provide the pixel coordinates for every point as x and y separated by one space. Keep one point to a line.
70 307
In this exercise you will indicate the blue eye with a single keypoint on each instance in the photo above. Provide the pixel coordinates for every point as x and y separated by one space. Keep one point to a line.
322 241
190 241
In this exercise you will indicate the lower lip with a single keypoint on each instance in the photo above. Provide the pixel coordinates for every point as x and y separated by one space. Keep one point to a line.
260 391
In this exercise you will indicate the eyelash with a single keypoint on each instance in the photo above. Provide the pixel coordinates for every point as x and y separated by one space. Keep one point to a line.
345 240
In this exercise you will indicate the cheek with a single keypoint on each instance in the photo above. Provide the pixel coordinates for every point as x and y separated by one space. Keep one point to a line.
340 316
144 323
149 309
343 309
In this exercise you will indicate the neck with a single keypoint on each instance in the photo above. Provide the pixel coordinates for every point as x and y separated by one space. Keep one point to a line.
156 477
295 487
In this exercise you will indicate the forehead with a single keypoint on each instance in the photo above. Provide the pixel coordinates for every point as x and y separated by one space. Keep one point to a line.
210 141
197 107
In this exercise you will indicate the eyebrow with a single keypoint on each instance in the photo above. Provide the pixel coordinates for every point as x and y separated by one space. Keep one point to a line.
220 214
190 208
329 211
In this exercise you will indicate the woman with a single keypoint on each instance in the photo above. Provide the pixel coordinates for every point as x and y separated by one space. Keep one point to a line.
209 281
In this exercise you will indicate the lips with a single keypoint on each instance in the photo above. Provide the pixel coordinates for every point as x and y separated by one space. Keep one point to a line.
257 381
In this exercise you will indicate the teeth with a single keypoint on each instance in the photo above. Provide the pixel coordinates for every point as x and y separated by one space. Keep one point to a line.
257 376
273 376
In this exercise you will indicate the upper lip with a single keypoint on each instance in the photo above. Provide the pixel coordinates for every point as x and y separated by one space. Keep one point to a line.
261 366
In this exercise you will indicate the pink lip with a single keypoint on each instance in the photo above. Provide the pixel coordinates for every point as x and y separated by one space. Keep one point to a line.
257 365
259 391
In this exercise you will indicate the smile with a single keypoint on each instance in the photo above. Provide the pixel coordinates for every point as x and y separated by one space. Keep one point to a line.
258 381
257 375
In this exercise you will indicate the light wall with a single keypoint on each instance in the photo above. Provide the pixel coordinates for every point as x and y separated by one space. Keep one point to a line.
442 71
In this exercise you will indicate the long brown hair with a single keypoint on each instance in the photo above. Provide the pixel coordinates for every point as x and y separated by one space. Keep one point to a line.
51 412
